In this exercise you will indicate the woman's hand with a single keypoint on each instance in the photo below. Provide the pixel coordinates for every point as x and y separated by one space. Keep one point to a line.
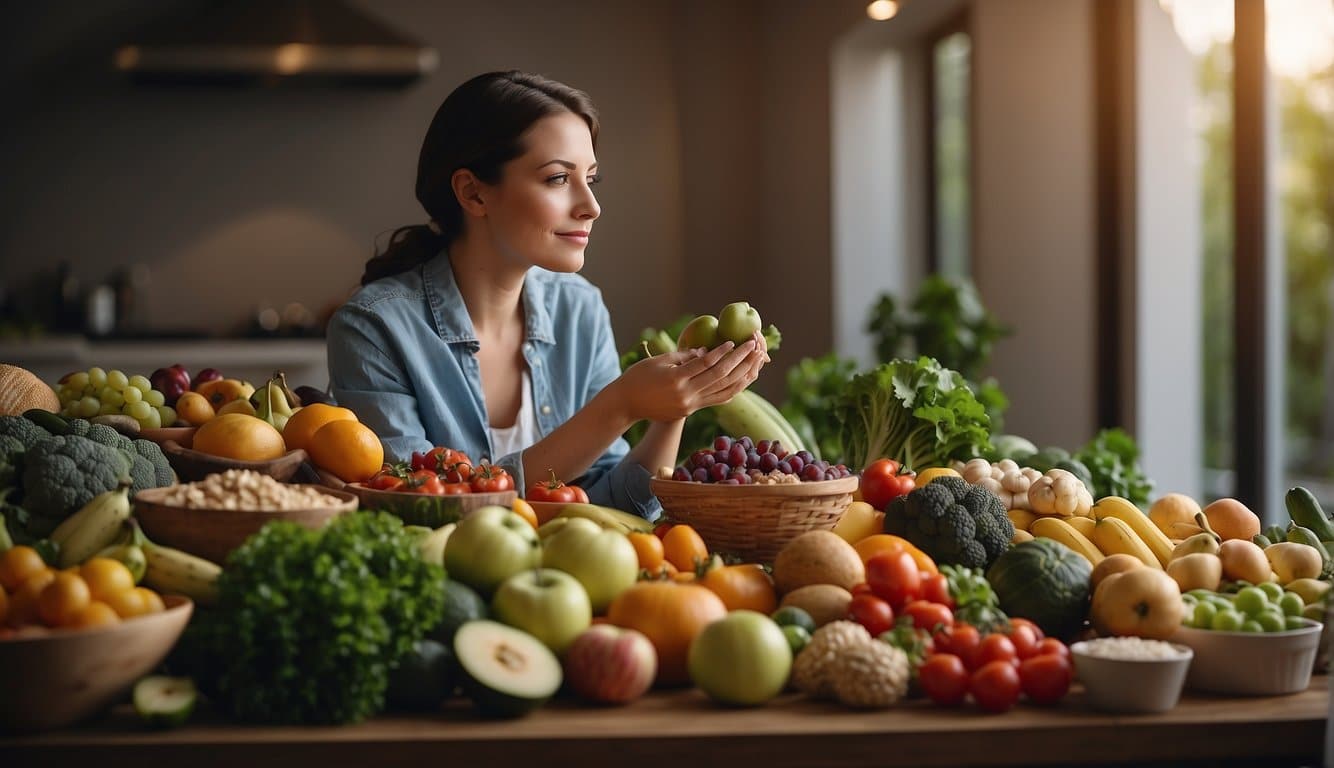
676 384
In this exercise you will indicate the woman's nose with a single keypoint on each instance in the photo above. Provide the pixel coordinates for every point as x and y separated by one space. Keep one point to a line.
587 206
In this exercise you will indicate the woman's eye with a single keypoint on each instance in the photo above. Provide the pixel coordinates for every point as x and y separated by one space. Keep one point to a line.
595 179
559 179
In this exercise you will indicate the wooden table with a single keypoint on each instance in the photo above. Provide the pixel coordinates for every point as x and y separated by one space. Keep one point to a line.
683 729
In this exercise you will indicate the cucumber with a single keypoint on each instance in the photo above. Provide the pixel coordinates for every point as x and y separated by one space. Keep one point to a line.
1305 511
165 702
51 422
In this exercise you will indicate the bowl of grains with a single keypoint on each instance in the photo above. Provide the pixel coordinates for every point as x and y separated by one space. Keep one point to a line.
1131 674
213 516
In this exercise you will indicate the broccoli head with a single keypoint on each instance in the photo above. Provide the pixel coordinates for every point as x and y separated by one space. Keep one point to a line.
952 521
148 465
19 428
61 474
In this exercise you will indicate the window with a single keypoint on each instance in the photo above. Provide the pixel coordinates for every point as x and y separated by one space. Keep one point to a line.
949 229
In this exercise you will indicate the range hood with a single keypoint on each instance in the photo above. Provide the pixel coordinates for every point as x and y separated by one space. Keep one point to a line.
274 41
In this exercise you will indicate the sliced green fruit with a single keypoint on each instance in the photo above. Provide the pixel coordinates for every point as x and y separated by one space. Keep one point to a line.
423 679
462 605
165 702
505 671
791 615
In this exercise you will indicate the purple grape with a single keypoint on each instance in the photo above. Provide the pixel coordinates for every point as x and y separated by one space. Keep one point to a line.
797 463
785 467
752 460
762 446
681 473
806 456
811 472
729 481
737 456
722 443
706 460
700 475
768 462
697 458
741 477
746 442
720 457
831 474
776 448
720 471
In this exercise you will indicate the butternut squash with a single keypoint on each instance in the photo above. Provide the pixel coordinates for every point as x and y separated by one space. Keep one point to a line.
21 390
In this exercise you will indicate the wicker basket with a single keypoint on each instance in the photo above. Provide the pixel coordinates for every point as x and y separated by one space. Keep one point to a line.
754 521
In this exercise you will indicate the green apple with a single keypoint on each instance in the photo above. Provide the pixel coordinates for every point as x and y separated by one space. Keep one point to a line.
741 659
737 322
700 332
490 545
604 561
548 604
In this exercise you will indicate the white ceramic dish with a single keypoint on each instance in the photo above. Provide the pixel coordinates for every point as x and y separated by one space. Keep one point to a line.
1131 685
1251 663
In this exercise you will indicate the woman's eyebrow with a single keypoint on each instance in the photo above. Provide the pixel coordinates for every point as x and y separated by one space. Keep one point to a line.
565 164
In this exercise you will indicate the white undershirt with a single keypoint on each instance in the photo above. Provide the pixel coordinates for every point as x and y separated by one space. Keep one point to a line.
507 440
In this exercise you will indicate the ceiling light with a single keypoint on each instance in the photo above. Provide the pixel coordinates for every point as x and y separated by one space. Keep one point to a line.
882 10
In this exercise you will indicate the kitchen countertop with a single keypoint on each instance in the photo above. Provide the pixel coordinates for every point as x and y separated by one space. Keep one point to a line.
684 728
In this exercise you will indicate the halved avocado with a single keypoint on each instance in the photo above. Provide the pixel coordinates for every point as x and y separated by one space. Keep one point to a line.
164 702
423 678
506 672
462 605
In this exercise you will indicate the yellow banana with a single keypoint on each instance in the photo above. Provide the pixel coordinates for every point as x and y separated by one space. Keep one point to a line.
1128 513
1114 536
129 555
1082 524
1059 530
1022 518
94 527
173 571
1020 536
607 517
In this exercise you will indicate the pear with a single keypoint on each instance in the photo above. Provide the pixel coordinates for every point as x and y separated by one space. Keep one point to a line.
1200 542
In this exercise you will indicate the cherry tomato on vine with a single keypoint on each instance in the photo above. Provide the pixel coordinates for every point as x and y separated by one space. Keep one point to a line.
894 578
995 686
1045 679
997 647
936 588
944 679
489 478
961 640
871 612
883 481
928 615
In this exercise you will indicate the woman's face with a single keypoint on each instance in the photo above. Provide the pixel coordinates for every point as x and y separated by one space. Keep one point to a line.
542 211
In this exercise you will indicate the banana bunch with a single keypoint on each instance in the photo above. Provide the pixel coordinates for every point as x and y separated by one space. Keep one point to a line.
1116 527
171 571
275 402
128 549
750 414
96 526
613 519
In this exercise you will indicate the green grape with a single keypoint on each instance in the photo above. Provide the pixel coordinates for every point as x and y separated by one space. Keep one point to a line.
97 378
112 396
141 383
67 395
139 411
152 421
108 409
155 398
167 414
77 381
132 395
117 380
1291 604
1251 600
1272 590
88 407
70 411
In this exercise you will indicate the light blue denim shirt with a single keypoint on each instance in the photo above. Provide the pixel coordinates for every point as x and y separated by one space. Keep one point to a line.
403 357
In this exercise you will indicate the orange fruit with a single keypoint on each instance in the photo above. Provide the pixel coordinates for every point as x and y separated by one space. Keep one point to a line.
525 510
23 603
307 420
194 408
61 601
683 548
649 549
152 600
879 543
17 564
127 604
242 437
96 614
349 449
106 577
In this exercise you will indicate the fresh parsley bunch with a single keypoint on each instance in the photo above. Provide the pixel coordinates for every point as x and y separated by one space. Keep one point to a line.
309 623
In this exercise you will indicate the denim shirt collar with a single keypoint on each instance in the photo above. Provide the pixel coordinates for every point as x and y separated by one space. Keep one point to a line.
442 291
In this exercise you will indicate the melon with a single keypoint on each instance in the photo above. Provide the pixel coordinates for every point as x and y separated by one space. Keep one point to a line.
505 671
1043 581
21 390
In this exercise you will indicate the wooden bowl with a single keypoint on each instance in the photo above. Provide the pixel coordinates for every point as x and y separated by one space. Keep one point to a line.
193 465
545 510
182 436
424 509
754 521
214 533
60 677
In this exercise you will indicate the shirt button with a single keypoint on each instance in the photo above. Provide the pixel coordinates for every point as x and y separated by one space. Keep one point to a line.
537 363
546 409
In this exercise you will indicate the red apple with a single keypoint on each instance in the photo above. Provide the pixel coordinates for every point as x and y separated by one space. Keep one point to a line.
171 382
206 375
611 665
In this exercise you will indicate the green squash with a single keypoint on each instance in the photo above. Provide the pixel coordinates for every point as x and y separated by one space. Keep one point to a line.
1045 582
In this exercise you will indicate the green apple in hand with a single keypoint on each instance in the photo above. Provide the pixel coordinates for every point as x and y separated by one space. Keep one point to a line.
742 659
490 545
604 561
548 604
738 322
700 332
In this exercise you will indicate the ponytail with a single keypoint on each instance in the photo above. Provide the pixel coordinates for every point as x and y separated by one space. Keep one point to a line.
409 247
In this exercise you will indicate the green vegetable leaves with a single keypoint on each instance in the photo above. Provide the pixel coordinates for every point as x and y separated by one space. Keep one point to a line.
1112 458
917 412
814 386
309 623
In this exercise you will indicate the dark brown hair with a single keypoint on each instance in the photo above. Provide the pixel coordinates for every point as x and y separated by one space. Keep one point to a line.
478 128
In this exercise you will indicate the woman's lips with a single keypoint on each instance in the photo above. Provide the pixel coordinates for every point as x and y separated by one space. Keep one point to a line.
580 238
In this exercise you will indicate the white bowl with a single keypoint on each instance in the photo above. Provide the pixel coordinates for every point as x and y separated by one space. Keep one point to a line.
1131 685
1253 663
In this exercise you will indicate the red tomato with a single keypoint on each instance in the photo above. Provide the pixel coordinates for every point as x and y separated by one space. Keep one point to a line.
936 588
894 578
488 478
455 489
1052 647
424 481
1045 679
961 640
1025 622
579 495
438 459
552 489
1025 639
873 613
996 647
995 686
460 472
385 481
861 589
944 679
928 615
883 481
661 529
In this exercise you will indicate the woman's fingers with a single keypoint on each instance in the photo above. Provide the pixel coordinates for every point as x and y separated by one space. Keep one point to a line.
740 377
722 367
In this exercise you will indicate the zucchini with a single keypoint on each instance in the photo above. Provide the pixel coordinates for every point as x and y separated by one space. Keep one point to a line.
1305 511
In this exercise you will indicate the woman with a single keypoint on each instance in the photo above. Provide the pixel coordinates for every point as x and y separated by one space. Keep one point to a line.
475 331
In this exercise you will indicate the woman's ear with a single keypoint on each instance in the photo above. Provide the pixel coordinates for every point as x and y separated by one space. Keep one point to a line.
468 191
